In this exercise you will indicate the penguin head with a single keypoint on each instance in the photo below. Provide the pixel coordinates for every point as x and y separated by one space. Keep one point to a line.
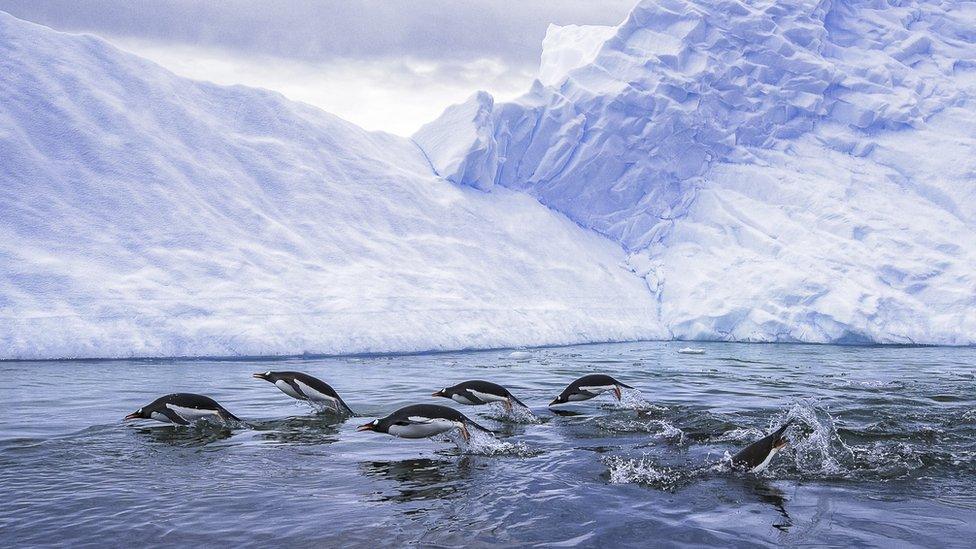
141 413
779 443
267 376
378 425
780 440
561 399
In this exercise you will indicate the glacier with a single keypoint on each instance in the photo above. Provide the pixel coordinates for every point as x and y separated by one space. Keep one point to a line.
777 172
143 214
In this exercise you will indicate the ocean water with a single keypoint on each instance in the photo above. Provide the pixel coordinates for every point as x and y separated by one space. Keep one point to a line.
882 452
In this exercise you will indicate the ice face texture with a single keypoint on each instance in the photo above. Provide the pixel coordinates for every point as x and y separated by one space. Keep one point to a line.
143 214
801 171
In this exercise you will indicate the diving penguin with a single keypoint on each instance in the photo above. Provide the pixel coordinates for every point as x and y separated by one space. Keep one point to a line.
477 392
589 386
422 421
182 409
302 386
757 455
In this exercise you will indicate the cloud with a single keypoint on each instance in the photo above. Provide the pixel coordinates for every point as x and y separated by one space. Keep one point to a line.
325 29
383 64
395 94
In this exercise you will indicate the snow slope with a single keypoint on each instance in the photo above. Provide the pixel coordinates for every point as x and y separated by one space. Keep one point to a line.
143 214
801 171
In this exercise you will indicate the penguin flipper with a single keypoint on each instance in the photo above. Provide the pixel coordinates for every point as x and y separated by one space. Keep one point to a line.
174 417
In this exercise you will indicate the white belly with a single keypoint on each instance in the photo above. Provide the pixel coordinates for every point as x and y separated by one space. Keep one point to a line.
160 417
312 394
422 430
460 399
765 463
487 397
288 389
192 414
597 389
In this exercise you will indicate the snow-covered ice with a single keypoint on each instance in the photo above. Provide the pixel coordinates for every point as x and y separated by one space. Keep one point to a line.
756 171
143 214
800 171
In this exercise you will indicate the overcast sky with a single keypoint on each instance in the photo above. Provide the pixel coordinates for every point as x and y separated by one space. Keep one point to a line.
383 64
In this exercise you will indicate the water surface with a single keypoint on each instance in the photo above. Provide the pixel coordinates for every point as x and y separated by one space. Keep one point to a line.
883 453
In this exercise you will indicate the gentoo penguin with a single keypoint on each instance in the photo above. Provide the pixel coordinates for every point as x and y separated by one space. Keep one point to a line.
757 455
477 392
422 421
305 387
182 409
588 387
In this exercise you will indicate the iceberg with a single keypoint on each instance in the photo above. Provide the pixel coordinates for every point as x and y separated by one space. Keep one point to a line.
793 172
144 215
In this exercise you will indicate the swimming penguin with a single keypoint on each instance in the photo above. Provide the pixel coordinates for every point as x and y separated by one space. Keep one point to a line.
477 392
757 455
422 421
182 409
588 387
305 387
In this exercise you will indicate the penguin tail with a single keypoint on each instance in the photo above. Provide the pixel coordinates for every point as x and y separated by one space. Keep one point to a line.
480 427
516 400
346 407
624 385
227 416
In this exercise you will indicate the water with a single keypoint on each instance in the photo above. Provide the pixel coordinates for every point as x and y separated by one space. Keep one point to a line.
883 452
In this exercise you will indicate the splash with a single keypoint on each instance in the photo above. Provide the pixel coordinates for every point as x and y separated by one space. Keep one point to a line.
485 444
820 451
518 414
633 399
644 470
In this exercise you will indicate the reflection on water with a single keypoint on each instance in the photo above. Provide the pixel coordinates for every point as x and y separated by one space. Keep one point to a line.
200 433
420 479
882 452
313 429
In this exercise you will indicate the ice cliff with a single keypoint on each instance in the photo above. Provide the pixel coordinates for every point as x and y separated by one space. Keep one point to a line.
778 171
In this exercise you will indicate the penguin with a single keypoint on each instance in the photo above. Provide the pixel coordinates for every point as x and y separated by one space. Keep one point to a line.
477 392
302 386
422 421
756 457
182 409
588 387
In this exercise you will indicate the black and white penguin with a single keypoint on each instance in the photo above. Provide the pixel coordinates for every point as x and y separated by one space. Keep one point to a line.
302 386
477 392
588 387
182 409
422 421
757 455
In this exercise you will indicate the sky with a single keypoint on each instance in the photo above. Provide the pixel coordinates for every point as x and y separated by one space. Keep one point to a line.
387 65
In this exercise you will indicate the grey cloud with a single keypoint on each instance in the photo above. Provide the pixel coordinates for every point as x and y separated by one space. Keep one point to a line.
314 30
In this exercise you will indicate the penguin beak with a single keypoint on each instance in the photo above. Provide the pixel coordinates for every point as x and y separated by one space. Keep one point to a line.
438 394
133 415
554 402
259 376
366 427
617 392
